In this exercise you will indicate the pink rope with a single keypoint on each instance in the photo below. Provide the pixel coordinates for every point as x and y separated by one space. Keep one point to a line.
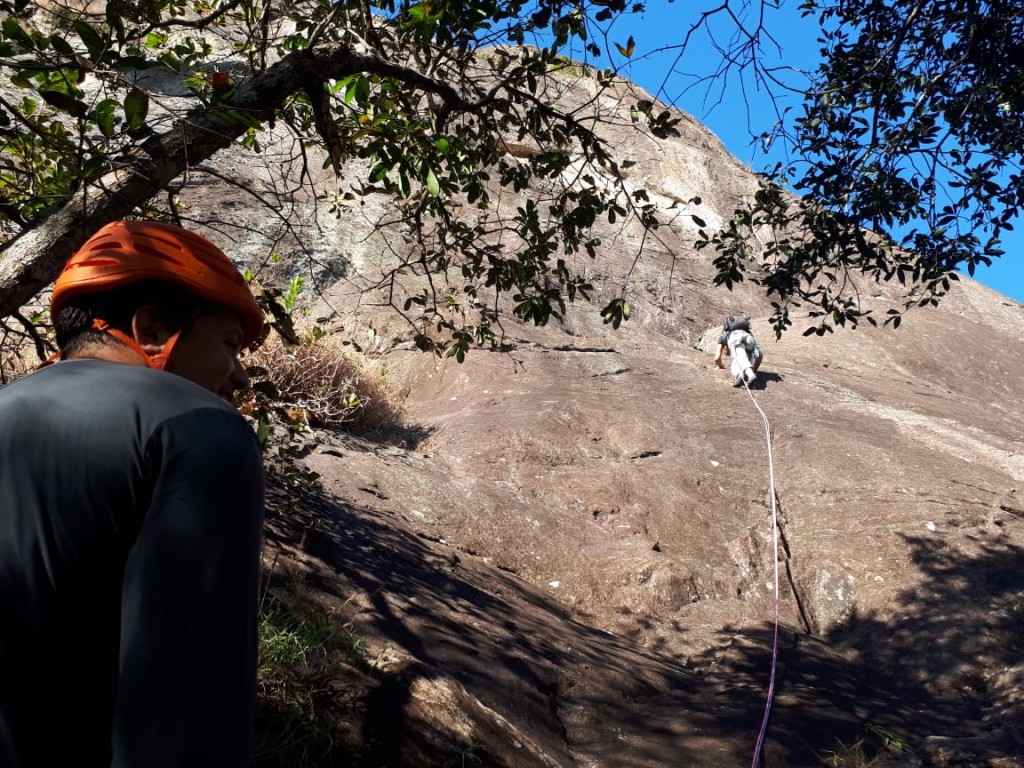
775 550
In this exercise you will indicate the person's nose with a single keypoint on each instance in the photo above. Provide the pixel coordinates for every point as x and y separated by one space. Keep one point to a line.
238 379
239 376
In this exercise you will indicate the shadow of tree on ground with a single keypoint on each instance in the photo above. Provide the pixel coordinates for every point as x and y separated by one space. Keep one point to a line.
922 672
575 691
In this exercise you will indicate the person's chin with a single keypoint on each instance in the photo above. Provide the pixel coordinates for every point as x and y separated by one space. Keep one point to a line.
228 395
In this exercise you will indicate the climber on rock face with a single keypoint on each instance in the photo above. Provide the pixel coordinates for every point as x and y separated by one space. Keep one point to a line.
737 341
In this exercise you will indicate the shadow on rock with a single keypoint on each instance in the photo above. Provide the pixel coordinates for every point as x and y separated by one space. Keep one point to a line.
548 687
481 645
928 682
766 377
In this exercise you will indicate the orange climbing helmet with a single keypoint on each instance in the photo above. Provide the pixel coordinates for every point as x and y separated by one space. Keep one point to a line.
125 252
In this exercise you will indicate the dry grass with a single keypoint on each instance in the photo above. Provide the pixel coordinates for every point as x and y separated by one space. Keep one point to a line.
852 756
14 365
322 384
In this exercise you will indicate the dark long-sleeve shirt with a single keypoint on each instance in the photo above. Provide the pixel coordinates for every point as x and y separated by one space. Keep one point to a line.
131 507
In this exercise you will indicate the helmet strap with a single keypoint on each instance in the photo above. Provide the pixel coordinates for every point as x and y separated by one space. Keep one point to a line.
157 361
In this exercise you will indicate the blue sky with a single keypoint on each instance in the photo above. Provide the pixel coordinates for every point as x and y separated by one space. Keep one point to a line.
744 107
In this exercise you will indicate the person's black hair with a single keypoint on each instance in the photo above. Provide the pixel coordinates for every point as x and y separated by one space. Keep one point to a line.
173 306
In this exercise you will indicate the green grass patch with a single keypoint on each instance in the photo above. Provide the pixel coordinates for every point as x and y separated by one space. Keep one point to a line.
300 719
288 639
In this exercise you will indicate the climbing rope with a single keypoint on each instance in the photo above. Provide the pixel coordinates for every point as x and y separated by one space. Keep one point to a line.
775 550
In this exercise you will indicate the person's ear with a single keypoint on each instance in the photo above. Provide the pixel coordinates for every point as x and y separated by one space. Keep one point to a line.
149 332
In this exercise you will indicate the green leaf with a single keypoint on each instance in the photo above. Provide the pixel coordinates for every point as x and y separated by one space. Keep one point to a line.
262 429
133 63
433 186
14 31
95 44
62 46
64 103
616 312
362 90
291 296
136 106
379 172
104 114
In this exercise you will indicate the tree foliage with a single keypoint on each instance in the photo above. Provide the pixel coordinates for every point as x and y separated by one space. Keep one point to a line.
908 143
414 92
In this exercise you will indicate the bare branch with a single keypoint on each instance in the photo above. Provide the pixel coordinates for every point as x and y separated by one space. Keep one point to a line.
44 347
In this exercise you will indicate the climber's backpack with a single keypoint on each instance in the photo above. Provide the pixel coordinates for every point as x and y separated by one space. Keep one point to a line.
736 323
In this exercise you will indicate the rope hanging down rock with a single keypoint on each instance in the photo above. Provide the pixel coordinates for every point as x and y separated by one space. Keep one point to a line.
775 551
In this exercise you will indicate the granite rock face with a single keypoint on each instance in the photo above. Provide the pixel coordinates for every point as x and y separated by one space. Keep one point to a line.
572 561
588 525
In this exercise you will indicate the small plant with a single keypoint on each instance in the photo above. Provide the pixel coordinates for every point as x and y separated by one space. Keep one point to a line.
287 639
297 713
866 752
889 740
310 380
471 755
291 296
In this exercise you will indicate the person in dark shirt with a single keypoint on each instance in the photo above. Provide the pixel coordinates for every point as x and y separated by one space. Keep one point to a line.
131 508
